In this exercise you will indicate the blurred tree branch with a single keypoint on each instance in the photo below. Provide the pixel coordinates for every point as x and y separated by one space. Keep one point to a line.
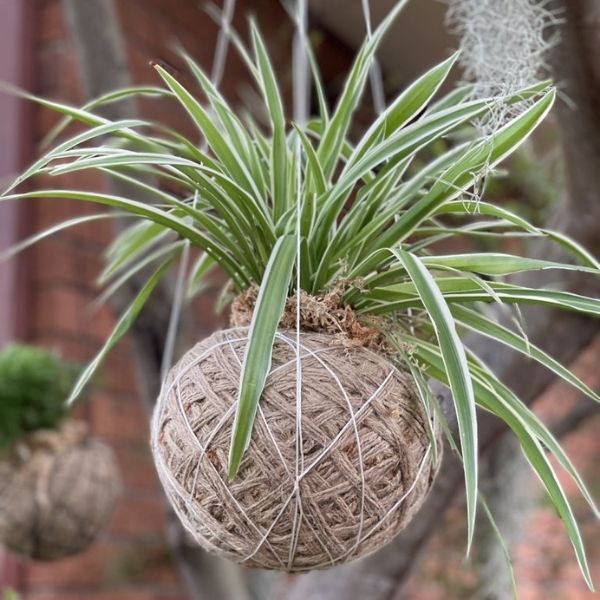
578 416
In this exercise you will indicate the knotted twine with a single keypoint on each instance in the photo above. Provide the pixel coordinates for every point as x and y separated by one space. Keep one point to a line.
57 491
354 477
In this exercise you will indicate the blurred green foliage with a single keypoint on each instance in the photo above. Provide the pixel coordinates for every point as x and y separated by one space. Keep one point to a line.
10 594
34 385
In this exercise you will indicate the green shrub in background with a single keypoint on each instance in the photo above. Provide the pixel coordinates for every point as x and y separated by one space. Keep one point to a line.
34 385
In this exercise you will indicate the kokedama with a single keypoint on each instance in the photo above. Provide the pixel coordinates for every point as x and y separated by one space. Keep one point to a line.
57 486
307 435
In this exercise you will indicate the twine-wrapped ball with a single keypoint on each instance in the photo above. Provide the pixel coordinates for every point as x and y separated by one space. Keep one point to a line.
57 490
326 479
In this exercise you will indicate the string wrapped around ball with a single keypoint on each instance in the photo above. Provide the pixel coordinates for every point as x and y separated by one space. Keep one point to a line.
58 489
331 474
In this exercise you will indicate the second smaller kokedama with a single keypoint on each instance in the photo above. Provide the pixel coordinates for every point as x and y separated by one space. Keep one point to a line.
57 486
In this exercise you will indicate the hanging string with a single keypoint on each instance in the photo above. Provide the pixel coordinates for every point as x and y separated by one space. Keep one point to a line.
217 71
300 64
173 425
223 43
301 100
301 112
375 76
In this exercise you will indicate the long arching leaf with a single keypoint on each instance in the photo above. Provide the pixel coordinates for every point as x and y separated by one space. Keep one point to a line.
257 358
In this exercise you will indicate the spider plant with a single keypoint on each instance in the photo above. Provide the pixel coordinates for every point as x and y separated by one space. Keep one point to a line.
301 206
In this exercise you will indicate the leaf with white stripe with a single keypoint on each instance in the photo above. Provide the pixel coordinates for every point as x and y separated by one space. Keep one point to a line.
259 349
457 370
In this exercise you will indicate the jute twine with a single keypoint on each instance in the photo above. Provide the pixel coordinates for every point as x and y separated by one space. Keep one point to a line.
339 461
57 491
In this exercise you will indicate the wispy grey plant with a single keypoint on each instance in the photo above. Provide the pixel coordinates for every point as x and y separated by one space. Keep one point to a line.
503 44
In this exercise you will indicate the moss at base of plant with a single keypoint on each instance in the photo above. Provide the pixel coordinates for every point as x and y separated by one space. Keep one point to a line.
34 385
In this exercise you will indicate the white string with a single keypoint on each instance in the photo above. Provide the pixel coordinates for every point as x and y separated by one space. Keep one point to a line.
204 447
176 306
222 422
165 474
301 102
396 504
262 416
301 110
343 430
375 76
300 64
357 436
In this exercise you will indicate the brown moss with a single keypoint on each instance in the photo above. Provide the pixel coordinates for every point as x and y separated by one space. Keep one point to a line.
320 314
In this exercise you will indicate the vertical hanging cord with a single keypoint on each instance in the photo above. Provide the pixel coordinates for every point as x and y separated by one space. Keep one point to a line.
218 67
300 64
176 306
301 107
376 81
375 77
222 43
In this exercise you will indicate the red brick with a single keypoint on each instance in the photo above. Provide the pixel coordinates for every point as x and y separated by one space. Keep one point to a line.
86 569
134 594
181 14
137 467
51 25
55 260
118 419
559 398
143 25
84 180
141 561
45 121
58 72
60 309
107 564
167 112
119 372
65 261
139 516
76 349
102 321
51 211
100 233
